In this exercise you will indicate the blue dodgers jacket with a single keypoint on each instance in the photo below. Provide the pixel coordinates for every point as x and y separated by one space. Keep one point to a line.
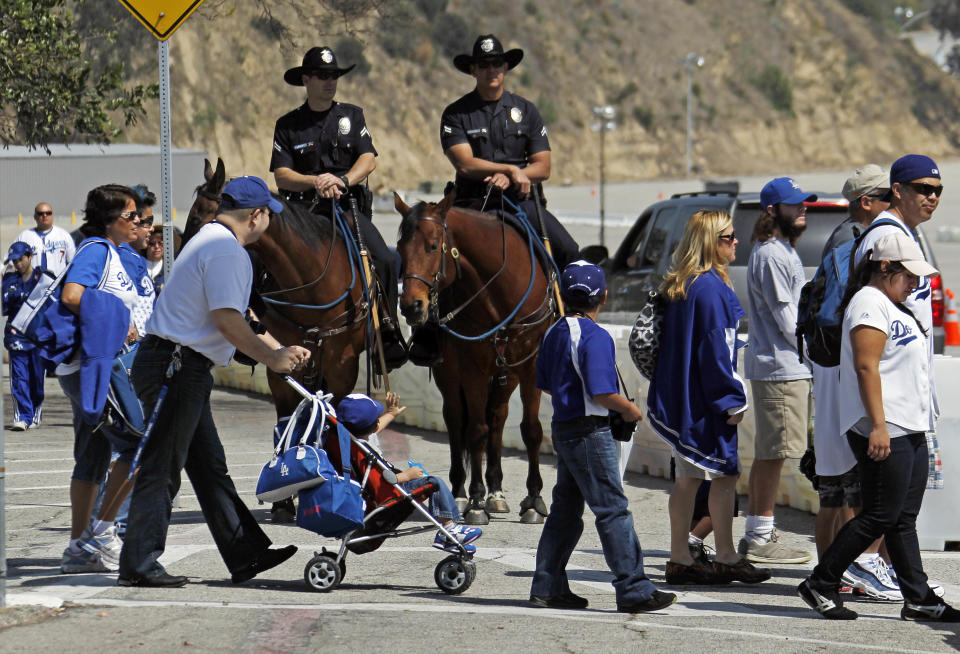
99 331
695 381
15 293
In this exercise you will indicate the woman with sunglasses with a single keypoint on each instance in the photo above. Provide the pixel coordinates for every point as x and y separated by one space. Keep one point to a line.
696 398
110 220
886 409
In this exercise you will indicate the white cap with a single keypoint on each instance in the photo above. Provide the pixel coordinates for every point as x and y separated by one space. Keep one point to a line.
902 248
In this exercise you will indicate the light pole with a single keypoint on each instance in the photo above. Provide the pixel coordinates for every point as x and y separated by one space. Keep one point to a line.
606 114
692 60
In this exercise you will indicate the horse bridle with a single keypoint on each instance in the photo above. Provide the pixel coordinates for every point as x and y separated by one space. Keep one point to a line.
433 286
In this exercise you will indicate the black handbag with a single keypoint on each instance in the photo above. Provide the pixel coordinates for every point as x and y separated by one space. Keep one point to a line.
620 428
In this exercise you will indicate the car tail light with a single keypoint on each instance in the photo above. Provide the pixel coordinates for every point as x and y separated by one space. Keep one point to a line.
936 299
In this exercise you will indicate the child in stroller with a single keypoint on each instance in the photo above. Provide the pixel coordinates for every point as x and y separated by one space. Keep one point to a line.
365 418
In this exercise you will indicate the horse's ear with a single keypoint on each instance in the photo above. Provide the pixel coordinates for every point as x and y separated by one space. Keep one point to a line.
219 177
207 169
444 205
400 205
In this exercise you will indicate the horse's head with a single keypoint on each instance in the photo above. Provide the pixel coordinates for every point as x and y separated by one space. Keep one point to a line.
423 248
205 206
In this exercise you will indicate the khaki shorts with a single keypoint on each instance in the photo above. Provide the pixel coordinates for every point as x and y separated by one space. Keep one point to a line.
683 469
782 413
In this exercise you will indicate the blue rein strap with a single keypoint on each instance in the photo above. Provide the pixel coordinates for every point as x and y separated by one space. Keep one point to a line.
522 217
353 255
505 321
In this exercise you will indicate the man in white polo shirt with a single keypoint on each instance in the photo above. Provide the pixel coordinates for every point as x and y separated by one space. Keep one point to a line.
53 245
198 321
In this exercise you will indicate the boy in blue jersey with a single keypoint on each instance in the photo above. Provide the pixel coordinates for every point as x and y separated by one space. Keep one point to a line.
577 367
26 369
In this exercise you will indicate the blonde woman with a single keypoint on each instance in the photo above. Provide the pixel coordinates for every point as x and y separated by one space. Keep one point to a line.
697 399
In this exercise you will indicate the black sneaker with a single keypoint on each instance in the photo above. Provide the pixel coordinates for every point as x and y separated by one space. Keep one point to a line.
825 602
659 600
937 612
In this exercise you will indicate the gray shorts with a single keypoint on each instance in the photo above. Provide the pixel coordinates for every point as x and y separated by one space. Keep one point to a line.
838 491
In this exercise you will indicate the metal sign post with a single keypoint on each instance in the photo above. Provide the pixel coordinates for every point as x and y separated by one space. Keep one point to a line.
166 164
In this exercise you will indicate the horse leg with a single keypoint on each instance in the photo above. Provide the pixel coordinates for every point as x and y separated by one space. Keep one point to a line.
476 433
449 386
498 405
532 508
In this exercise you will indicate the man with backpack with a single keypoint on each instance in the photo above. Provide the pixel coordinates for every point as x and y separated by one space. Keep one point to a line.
837 478
779 382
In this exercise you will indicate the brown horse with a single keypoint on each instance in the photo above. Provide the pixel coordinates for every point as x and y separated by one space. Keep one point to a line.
479 276
316 298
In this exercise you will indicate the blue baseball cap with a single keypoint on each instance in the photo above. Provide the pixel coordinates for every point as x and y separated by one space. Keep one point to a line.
785 190
248 193
583 283
358 412
17 250
913 166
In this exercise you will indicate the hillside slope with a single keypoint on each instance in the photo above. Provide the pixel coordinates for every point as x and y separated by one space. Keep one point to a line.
846 90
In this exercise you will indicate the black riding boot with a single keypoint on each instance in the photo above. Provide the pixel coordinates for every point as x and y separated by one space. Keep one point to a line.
425 345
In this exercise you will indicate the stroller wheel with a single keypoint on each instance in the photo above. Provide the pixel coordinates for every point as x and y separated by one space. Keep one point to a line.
454 575
322 573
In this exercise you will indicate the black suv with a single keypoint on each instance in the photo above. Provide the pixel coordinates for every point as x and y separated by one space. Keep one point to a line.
643 258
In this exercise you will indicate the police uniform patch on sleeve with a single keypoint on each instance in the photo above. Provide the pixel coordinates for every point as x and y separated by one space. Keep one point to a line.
516 115
344 125
364 132
447 130
543 131
276 146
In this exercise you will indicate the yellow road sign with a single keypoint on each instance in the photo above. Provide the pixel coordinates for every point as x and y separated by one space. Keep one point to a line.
161 17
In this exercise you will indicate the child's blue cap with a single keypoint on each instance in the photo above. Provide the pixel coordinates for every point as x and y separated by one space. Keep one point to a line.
17 250
583 283
358 413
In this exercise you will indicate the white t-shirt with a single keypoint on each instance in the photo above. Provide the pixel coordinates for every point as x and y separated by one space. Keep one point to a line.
919 302
904 366
53 249
212 272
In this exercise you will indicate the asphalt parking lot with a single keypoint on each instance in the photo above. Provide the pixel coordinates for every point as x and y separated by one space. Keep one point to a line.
388 597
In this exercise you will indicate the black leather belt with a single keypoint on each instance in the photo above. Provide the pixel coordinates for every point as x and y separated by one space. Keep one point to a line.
586 421
298 196
153 342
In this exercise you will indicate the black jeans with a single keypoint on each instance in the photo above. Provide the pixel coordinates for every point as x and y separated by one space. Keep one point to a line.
892 493
184 437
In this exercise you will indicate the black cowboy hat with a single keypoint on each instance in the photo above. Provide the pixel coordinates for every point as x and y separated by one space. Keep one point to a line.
487 46
321 58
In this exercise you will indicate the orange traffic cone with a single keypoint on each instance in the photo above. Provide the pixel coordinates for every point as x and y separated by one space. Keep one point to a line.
951 324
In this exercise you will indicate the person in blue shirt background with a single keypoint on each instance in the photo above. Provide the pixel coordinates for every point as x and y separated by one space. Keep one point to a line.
577 367
26 369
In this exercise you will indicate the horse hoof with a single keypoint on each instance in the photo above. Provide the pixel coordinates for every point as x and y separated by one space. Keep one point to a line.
497 503
462 504
531 517
476 517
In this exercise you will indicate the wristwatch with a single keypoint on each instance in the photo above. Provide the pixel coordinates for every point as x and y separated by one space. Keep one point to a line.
346 182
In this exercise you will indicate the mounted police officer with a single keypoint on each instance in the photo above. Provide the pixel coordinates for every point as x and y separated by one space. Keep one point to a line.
322 151
497 138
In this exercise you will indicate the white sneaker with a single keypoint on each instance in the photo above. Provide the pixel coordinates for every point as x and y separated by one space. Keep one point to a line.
934 586
19 425
81 561
108 545
872 578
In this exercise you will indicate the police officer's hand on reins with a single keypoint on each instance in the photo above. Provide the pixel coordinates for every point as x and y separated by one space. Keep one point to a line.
517 178
288 359
328 186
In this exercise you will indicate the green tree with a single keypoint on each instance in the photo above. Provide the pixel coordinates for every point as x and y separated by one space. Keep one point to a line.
49 89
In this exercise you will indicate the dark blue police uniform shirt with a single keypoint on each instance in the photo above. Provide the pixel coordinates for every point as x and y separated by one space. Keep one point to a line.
315 142
507 130
596 359
16 290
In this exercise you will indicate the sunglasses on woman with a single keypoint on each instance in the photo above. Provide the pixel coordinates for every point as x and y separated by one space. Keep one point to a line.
130 216
729 238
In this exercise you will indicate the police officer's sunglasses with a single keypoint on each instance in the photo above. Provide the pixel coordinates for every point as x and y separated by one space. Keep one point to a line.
324 74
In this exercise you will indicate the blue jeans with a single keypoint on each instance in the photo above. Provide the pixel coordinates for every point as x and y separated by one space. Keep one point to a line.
892 491
588 470
443 506
92 449
183 438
